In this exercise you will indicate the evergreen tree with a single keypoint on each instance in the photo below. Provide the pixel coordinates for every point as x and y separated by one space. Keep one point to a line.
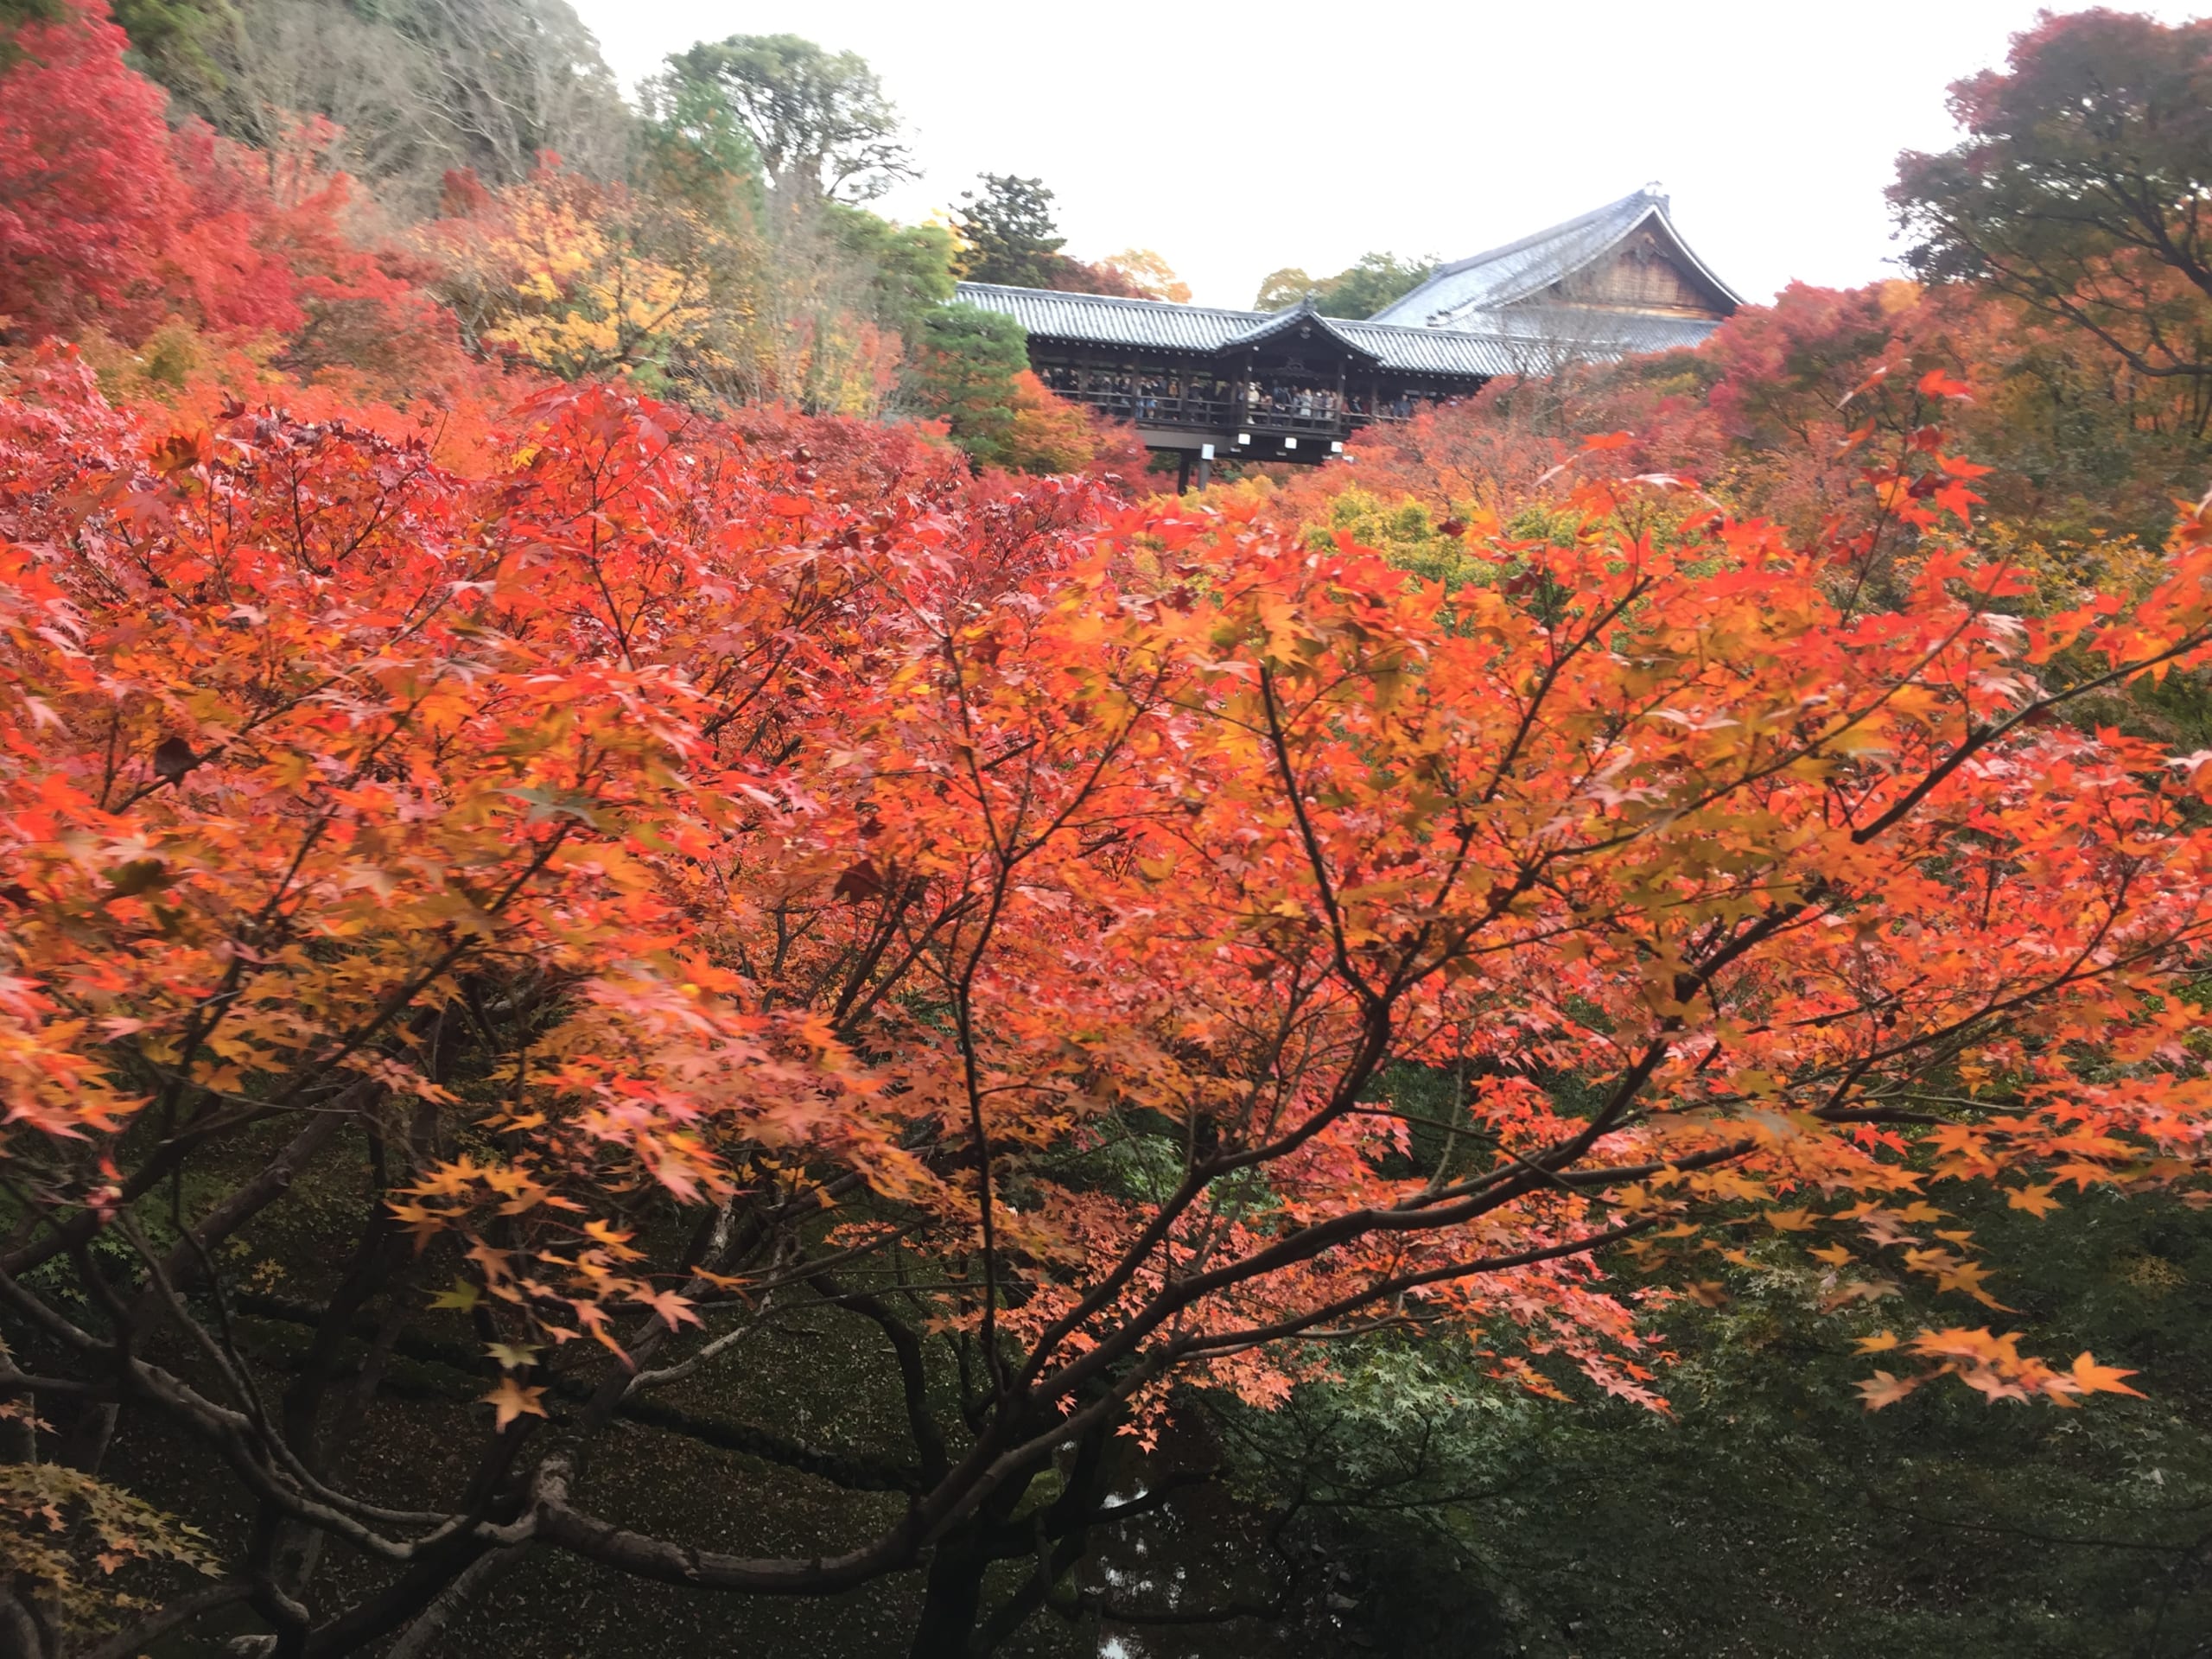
1009 234
965 375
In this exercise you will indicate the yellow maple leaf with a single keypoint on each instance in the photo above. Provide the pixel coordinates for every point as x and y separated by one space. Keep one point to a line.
616 1242
1968 1276
511 1400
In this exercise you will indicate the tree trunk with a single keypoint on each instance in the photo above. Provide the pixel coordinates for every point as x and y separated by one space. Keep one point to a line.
19 1633
952 1599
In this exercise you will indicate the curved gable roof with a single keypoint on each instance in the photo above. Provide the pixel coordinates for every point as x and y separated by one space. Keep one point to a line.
1302 317
1520 270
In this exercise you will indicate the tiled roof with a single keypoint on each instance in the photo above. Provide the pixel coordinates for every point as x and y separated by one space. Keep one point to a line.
1098 319
1435 350
1105 321
1456 295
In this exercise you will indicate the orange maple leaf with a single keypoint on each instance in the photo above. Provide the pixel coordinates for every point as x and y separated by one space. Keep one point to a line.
511 1400
1884 1390
2093 1378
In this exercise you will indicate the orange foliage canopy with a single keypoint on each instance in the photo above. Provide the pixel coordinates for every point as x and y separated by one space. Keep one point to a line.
696 875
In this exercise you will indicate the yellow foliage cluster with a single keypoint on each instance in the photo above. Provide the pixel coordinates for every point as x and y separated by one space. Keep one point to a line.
578 278
65 1535
2062 570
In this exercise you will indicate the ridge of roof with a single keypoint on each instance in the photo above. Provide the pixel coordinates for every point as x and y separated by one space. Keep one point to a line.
1113 300
1530 263
1641 199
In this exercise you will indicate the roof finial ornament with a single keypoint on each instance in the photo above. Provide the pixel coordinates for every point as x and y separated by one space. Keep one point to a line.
1657 192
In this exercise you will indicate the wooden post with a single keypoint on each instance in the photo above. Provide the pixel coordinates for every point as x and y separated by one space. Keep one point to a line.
1183 472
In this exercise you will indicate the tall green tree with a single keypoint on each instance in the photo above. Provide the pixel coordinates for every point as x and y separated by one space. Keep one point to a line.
911 264
694 147
818 120
1008 234
1360 289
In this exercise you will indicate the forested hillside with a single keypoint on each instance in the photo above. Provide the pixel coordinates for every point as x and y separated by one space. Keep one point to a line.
688 972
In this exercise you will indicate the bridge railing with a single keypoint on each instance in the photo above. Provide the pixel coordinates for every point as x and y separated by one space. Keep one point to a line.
1149 408
1229 415
1217 413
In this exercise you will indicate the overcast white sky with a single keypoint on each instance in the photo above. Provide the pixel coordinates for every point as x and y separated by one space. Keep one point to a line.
1236 139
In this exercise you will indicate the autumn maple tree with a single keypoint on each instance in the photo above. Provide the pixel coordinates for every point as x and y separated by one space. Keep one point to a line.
657 884
544 901
2077 187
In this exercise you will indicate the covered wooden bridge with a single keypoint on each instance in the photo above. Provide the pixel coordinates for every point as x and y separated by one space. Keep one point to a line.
1209 383
1283 386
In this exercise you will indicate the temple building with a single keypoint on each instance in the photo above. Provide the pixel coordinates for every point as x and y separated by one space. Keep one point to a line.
1207 384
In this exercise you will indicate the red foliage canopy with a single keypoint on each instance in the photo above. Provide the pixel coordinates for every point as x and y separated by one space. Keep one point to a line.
89 198
110 220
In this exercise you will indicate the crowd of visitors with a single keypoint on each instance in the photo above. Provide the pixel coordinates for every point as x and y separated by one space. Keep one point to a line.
1203 399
